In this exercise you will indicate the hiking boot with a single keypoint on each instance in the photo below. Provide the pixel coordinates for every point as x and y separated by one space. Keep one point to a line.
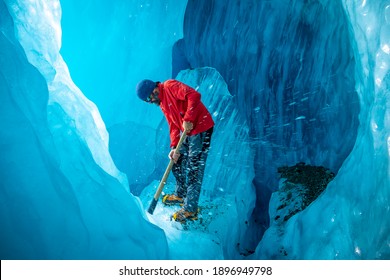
171 199
183 215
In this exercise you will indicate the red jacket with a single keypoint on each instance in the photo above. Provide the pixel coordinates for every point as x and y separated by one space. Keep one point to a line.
179 103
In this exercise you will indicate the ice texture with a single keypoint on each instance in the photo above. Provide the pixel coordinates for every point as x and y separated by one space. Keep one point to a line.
61 195
286 82
290 66
351 219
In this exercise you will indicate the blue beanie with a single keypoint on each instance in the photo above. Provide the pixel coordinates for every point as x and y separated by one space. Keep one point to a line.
145 88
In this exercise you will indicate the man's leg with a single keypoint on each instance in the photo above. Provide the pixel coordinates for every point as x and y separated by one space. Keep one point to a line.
199 146
179 171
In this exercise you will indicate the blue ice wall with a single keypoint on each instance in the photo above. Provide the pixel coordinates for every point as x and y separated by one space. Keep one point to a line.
351 220
311 80
61 196
290 66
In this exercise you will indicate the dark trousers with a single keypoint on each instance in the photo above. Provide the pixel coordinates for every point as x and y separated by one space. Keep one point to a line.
189 169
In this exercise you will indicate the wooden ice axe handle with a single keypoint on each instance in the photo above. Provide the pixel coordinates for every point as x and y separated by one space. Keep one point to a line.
161 186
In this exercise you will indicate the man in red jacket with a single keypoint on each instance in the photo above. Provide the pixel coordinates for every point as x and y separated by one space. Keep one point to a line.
185 113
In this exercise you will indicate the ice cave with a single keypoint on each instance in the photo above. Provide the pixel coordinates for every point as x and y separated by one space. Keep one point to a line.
299 161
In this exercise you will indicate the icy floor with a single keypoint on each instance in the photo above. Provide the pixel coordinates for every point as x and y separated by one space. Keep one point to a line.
194 240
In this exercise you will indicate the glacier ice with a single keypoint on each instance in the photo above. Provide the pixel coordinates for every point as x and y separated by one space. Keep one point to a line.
311 71
288 89
61 195
286 81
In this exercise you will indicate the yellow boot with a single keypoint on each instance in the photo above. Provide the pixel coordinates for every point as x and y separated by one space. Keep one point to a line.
183 215
171 199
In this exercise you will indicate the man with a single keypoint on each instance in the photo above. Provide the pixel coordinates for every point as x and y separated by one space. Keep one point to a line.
185 113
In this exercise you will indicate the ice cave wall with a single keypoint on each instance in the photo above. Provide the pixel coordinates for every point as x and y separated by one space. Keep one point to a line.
351 219
59 186
290 66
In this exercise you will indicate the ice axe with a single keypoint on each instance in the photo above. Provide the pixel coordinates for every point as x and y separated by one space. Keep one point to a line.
153 203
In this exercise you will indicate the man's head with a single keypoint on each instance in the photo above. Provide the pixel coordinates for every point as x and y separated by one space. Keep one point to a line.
148 91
